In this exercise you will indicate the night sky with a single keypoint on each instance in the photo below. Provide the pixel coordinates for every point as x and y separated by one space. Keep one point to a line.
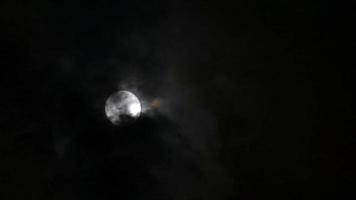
256 100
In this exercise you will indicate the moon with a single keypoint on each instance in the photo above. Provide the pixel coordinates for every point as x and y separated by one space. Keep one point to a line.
122 106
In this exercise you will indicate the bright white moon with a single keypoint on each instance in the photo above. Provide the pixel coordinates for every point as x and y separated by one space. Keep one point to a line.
122 106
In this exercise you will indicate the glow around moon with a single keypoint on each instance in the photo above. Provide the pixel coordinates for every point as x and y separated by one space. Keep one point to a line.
122 106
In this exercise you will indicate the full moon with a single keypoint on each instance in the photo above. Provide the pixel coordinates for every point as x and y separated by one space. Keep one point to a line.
122 106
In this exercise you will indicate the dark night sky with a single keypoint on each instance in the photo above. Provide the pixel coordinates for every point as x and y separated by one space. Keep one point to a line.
257 99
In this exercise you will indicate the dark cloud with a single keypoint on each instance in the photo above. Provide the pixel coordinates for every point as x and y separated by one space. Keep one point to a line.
241 113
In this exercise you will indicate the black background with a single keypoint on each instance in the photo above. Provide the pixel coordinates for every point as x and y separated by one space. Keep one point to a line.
274 77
